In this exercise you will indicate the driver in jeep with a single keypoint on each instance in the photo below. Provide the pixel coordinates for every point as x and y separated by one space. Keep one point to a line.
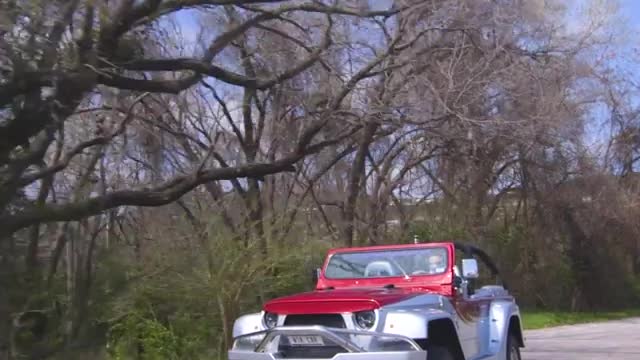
436 264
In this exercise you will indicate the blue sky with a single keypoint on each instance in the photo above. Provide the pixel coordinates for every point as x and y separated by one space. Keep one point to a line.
632 9
625 61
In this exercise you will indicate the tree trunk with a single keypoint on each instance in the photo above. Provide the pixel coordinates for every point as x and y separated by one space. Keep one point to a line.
5 305
355 179
60 245
32 263
70 261
636 263
255 208
581 262
84 279
226 322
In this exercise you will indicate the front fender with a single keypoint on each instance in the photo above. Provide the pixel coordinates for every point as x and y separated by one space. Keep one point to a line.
247 324
413 323
501 314
411 317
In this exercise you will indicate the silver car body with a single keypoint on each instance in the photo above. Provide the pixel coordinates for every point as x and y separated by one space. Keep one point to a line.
482 338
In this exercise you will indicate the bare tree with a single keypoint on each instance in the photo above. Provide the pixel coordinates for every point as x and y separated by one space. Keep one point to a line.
39 97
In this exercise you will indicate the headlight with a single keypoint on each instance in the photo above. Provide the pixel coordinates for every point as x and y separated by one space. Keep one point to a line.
270 320
365 319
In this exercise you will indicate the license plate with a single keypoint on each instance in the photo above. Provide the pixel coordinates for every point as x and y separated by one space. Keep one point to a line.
305 340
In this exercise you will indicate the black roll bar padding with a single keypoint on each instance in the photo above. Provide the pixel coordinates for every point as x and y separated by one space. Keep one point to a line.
471 250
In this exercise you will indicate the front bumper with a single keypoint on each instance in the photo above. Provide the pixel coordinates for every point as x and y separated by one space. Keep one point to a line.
342 345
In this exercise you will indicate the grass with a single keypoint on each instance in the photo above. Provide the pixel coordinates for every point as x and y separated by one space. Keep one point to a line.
542 319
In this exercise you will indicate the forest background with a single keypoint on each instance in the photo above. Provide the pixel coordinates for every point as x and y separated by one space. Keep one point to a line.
167 165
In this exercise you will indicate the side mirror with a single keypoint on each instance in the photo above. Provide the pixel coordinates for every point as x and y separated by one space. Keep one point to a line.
470 269
315 274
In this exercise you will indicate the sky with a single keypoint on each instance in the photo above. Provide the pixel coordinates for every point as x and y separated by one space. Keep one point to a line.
598 131
632 9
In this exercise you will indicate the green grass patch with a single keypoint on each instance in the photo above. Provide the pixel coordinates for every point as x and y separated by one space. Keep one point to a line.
542 319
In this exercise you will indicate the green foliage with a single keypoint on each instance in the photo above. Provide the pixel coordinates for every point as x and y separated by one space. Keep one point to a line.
141 337
178 300
426 232
191 304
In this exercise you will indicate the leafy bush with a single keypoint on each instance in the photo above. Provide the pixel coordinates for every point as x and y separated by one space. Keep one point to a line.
190 307
142 337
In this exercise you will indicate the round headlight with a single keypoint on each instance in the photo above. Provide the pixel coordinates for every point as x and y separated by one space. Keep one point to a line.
365 319
270 320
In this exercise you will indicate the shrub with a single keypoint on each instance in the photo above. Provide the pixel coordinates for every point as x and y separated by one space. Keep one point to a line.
191 306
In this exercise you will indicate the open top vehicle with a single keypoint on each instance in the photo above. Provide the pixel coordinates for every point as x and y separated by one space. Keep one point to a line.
416 301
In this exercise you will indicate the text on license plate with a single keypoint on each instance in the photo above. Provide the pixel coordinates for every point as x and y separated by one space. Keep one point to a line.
312 340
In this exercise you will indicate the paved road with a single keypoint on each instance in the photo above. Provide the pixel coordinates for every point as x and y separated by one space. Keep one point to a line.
613 340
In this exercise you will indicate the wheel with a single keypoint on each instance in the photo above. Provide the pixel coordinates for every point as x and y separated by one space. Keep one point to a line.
513 350
436 352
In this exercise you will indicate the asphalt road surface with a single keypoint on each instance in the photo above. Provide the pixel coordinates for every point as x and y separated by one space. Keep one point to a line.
612 340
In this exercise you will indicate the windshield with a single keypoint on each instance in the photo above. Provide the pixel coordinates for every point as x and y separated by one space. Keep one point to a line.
387 263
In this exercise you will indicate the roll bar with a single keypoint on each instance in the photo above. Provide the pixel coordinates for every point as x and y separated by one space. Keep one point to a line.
471 250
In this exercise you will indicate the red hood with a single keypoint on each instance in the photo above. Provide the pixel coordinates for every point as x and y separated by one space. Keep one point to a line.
337 301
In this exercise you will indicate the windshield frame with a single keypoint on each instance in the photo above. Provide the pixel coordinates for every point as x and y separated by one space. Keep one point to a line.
446 255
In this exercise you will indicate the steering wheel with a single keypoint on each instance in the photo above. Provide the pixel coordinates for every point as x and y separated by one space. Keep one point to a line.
403 271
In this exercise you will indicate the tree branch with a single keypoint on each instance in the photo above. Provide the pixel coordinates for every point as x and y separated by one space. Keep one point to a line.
64 162
202 67
146 196
227 115
159 86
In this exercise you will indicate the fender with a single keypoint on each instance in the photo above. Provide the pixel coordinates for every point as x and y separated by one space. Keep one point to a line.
248 324
412 323
411 317
502 314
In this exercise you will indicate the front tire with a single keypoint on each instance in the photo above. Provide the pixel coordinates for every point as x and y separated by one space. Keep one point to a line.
513 349
436 352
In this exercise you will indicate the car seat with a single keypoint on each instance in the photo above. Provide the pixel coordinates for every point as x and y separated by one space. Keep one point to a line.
378 268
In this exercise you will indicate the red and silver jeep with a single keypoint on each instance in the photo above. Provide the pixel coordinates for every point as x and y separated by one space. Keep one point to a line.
418 301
